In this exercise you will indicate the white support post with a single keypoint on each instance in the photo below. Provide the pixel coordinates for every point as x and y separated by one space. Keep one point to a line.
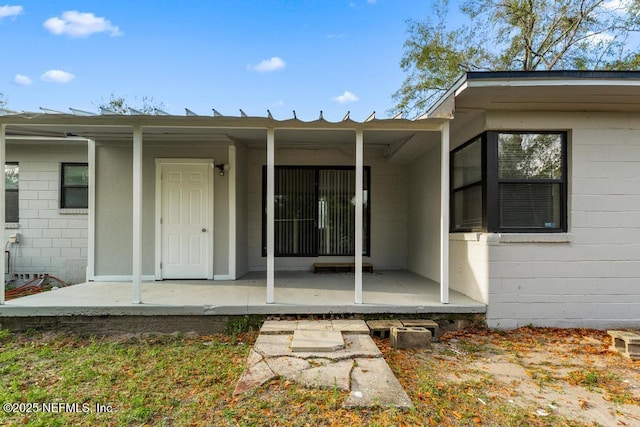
444 214
359 213
271 139
231 176
3 160
137 215
91 159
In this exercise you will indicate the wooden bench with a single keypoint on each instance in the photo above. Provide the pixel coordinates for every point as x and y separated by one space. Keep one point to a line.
319 267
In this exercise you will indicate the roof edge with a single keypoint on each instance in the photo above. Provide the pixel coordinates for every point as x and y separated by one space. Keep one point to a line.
554 74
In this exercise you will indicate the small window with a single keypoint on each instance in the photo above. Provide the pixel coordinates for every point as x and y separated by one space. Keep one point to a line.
74 191
11 192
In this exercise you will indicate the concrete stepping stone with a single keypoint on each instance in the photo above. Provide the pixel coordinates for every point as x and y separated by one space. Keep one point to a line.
255 375
373 384
328 358
287 366
349 326
280 345
316 341
336 374
315 325
279 327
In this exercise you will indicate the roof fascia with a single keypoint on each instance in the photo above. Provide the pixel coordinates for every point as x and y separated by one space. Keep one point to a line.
444 107
205 122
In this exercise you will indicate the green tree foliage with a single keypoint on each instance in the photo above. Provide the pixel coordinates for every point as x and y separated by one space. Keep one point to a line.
120 104
508 35
3 101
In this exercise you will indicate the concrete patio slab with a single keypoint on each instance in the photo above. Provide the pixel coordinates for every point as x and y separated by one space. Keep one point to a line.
295 293
374 384
312 341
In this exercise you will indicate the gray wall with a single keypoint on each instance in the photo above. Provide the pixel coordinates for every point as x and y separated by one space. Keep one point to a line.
114 205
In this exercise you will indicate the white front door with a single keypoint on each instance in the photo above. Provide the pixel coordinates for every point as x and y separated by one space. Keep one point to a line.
185 221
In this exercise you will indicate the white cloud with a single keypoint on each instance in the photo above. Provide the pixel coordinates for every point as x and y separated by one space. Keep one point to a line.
372 1
600 38
10 11
269 65
77 24
345 98
57 76
615 4
279 104
336 35
21 80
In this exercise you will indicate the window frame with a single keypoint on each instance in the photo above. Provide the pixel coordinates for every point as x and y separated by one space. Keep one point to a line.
366 212
63 186
491 184
482 183
16 190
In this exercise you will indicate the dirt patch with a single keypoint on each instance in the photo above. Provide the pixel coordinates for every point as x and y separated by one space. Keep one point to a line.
561 372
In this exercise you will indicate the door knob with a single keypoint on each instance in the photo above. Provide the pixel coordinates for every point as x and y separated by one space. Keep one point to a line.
204 230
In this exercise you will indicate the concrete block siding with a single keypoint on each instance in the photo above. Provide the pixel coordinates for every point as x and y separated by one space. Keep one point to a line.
52 240
588 277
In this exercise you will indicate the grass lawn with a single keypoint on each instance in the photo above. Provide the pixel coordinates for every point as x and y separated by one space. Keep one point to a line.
188 380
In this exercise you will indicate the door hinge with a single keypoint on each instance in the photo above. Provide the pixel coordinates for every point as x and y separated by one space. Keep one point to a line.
160 220
160 266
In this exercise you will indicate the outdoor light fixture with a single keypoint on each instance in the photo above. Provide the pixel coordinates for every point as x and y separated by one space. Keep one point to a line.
223 167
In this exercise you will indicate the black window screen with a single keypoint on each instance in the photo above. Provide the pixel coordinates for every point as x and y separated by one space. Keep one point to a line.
315 210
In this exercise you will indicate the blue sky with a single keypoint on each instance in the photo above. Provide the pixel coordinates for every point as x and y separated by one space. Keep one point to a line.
281 55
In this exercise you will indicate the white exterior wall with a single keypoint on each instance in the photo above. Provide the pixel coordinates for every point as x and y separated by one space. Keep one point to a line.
388 207
52 240
423 255
590 276
469 265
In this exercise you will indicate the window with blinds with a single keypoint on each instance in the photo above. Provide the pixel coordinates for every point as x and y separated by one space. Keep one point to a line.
315 210
531 180
510 182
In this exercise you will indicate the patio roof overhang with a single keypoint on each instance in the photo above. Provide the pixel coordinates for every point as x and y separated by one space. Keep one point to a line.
114 127
401 138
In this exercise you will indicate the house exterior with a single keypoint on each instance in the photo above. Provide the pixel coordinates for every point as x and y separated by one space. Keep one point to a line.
519 190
